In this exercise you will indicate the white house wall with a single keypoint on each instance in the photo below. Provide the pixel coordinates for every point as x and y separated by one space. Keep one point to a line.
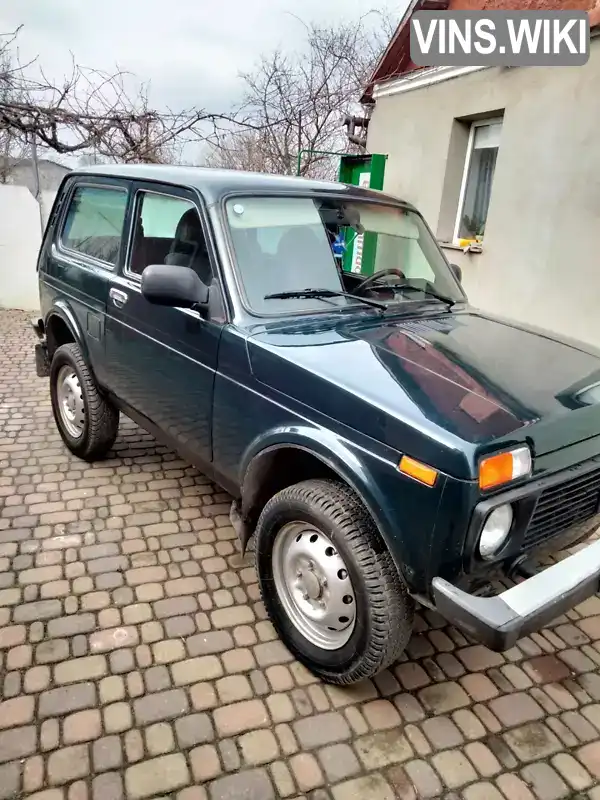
20 238
541 254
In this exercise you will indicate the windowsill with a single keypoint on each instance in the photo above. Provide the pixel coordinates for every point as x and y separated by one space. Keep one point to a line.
473 249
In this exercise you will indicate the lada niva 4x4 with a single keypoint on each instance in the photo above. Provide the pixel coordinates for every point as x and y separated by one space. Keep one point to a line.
384 442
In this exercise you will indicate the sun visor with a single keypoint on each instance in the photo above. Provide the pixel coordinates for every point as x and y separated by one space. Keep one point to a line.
388 220
272 212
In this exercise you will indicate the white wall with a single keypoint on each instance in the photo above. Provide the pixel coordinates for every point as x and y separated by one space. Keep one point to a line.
20 239
542 240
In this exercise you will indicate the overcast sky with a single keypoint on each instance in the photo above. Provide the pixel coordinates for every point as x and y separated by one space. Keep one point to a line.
190 50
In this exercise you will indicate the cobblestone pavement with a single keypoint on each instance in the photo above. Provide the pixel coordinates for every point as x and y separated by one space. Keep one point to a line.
136 660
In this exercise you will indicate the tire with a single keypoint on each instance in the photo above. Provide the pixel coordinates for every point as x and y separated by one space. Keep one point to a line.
95 415
383 614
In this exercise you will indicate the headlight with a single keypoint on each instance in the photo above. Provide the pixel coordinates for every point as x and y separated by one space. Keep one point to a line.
495 531
504 467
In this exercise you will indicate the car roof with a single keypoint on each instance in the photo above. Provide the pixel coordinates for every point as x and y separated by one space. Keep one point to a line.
216 183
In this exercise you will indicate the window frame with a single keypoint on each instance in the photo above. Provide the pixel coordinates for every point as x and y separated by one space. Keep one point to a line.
174 195
92 183
479 123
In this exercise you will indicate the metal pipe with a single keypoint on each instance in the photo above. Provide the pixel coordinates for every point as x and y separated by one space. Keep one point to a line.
36 176
352 123
319 153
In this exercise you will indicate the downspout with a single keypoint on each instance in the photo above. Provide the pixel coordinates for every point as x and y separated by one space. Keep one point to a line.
352 123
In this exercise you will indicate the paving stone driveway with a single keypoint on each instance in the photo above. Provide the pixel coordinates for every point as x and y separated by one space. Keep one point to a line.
136 660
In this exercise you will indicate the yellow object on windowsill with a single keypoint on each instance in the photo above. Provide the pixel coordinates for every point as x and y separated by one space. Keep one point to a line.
470 245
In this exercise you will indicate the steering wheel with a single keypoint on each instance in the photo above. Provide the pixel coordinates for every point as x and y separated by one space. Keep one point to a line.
368 282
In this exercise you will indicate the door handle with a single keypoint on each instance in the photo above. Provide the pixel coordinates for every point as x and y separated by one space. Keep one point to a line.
118 297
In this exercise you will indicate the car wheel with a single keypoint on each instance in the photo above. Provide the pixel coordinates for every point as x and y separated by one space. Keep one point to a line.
329 584
87 421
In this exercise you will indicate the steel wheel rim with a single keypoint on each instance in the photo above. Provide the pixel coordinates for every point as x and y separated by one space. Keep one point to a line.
313 585
69 399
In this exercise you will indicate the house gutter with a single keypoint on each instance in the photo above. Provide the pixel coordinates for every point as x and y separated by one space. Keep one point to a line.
421 79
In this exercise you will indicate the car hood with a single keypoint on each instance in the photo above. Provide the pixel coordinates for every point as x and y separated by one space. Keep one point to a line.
462 379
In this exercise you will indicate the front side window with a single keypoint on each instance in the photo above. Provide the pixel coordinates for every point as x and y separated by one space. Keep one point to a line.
94 222
480 165
168 230
290 244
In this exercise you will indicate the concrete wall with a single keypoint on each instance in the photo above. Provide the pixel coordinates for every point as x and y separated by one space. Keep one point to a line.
541 252
21 173
21 223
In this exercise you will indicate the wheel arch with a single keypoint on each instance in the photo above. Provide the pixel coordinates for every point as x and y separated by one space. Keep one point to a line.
282 459
61 327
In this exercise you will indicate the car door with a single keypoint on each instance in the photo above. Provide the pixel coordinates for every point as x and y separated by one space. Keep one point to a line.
85 252
163 360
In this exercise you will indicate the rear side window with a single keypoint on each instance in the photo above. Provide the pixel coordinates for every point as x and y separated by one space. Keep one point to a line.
94 222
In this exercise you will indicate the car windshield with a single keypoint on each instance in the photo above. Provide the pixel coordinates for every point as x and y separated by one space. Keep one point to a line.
291 244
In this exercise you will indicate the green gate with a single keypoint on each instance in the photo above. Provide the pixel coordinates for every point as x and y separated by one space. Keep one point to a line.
358 170
367 171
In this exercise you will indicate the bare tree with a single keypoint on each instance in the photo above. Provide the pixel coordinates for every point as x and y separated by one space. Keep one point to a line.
91 111
297 101
11 147
240 149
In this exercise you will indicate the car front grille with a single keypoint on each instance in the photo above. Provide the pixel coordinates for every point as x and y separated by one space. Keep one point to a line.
563 506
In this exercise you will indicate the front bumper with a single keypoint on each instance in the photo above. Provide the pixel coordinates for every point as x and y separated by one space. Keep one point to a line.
499 621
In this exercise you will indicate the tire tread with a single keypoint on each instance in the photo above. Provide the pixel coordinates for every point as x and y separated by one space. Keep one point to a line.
102 415
392 607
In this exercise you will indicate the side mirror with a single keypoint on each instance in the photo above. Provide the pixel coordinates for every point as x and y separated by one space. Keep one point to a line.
169 285
457 272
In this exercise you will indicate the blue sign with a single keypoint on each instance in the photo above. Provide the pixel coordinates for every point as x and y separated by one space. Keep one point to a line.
339 246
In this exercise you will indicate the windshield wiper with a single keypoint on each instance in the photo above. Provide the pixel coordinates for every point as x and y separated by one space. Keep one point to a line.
404 286
324 293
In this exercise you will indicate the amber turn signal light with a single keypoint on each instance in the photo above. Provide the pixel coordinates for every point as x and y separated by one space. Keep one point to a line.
415 469
504 468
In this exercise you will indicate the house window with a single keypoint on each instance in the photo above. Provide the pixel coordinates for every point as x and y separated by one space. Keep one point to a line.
478 176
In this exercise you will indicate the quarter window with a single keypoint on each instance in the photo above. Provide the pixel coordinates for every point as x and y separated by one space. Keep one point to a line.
94 222
478 176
